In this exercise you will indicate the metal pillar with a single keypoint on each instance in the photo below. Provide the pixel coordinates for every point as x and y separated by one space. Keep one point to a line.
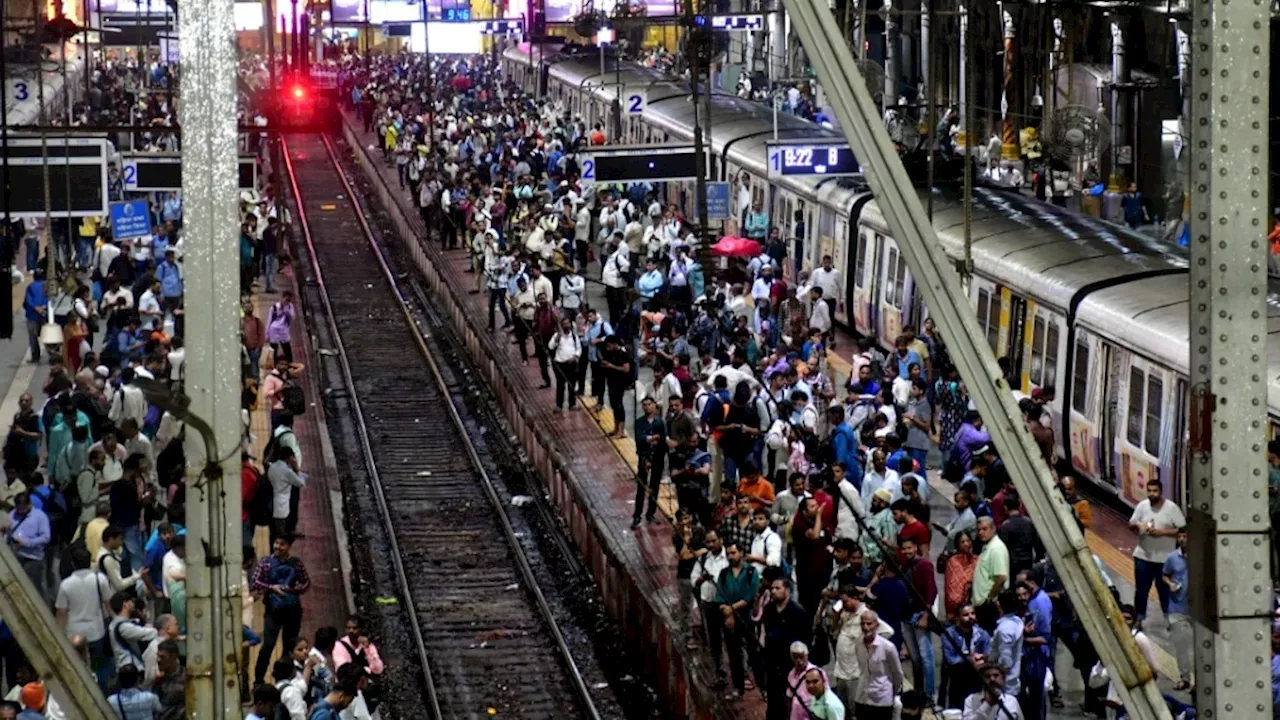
1121 117
1229 543
926 53
964 75
1056 56
209 189
901 206
46 645
1009 148
891 69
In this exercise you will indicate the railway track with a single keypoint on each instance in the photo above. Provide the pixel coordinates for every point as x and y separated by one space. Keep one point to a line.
484 633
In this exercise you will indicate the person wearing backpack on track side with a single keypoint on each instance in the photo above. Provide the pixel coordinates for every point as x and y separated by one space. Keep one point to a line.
285 481
281 580
282 392
284 437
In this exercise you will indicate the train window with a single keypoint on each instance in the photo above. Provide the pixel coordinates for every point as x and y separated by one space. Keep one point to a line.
1037 353
1044 352
988 318
891 277
1137 385
860 261
1155 412
1051 355
900 285
1080 377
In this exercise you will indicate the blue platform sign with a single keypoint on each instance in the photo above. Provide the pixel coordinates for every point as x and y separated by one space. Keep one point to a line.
130 219
718 201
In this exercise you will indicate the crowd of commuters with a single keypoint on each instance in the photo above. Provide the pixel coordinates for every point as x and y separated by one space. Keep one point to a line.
93 491
805 552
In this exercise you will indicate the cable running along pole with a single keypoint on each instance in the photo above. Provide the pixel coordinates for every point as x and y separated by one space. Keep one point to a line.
902 208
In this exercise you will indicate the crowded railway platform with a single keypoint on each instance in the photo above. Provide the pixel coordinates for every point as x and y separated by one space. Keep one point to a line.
494 224
687 445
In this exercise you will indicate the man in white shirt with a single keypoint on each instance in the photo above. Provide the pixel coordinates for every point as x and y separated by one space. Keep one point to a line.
284 476
140 252
848 614
168 629
82 609
572 286
766 548
763 286
149 311
820 316
827 278
992 703
128 400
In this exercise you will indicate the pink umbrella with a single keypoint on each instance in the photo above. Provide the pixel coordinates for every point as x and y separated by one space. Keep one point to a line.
732 246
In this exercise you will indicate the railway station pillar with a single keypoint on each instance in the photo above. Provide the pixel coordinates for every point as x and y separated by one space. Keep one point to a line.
1010 151
1227 514
212 370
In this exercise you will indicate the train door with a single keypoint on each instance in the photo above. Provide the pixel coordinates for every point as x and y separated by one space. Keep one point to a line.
861 243
1178 454
986 303
1144 391
1087 415
1015 345
892 287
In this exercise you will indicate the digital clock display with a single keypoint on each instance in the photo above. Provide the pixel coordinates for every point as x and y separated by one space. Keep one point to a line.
785 160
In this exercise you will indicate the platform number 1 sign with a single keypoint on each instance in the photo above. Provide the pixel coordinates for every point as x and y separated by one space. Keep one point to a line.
635 102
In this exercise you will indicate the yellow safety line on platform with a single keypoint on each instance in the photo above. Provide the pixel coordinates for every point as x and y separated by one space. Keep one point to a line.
626 449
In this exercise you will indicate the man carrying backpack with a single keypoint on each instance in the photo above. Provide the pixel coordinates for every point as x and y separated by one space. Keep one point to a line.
283 439
281 580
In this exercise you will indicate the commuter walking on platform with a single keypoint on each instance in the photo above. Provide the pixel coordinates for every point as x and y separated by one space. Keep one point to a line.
281 580
566 349
1157 521
651 449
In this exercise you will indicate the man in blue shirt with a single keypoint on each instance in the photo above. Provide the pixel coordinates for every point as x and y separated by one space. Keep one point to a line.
1037 642
36 306
28 535
169 273
964 648
1175 576
1006 641
906 357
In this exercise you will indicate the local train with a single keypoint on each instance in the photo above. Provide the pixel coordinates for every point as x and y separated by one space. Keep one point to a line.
1096 311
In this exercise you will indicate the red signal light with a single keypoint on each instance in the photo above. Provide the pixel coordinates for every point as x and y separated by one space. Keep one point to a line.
298 92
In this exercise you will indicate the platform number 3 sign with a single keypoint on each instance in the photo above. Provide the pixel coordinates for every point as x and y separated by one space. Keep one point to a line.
635 102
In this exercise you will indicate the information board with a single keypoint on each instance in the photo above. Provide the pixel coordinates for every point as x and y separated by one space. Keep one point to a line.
248 172
640 164
77 175
130 219
151 172
827 159
718 195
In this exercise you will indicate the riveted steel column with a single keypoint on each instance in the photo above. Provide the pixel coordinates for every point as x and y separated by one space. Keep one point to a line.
1227 518
212 371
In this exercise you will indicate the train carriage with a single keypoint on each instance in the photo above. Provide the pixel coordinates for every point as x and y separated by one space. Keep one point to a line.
1095 310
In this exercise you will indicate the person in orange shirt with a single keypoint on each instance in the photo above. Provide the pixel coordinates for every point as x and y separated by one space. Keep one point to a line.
754 485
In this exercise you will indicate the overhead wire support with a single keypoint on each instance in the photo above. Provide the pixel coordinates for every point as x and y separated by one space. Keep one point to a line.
1065 543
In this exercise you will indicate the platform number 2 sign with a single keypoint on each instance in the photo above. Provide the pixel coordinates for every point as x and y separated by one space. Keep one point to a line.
636 102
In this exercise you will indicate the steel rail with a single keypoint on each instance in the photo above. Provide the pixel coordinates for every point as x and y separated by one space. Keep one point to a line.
366 449
486 483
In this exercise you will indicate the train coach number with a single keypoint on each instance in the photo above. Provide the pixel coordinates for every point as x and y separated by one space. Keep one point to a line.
635 103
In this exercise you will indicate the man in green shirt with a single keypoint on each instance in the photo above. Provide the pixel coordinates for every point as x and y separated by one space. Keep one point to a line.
736 591
991 576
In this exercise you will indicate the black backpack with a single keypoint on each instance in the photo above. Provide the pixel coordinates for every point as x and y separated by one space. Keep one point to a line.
262 503
293 398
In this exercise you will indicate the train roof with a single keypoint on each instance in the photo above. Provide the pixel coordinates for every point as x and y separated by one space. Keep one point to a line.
1037 249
